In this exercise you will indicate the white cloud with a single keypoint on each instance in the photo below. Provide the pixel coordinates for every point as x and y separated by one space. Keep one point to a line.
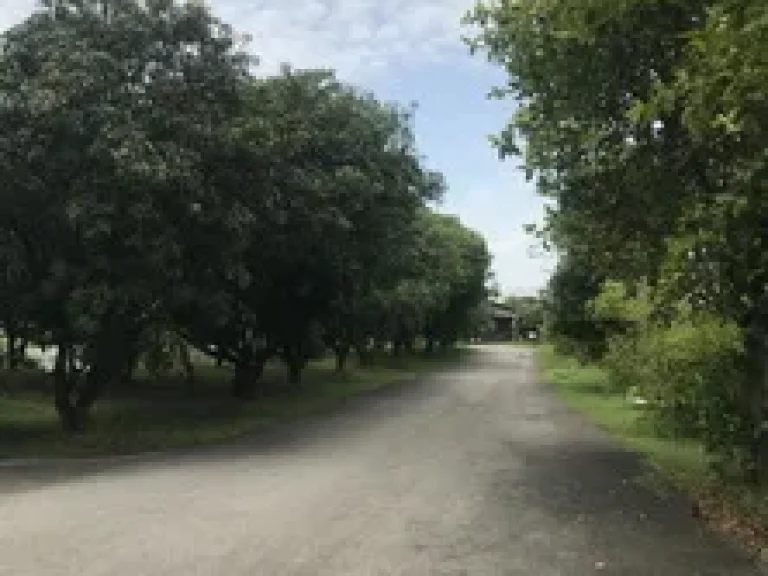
520 265
14 11
352 36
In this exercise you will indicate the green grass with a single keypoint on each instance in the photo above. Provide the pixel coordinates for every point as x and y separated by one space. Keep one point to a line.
586 389
733 508
160 415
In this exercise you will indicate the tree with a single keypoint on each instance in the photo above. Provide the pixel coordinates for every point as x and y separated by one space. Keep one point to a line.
572 326
325 184
441 288
644 121
720 253
462 262
159 197
614 177
102 103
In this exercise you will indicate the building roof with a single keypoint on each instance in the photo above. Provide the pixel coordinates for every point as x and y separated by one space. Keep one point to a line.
502 313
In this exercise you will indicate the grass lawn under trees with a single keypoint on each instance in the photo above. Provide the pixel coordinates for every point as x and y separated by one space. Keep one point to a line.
150 415
732 508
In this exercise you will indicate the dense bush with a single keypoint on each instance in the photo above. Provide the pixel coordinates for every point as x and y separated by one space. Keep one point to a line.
690 369
691 373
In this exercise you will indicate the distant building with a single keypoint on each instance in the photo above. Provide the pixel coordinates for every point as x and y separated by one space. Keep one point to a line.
505 324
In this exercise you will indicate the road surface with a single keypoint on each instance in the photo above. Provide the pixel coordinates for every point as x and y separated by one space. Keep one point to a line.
476 471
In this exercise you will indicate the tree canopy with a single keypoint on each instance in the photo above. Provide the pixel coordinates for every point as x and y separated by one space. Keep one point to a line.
158 193
645 122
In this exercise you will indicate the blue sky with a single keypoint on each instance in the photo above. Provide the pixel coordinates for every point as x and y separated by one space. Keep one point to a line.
408 51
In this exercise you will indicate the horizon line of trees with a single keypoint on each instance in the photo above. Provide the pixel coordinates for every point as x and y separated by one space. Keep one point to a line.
157 193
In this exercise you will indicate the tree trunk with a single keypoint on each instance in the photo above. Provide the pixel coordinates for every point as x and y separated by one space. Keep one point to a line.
248 372
129 372
93 386
71 361
7 358
187 365
17 350
242 383
13 358
342 352
364 355
757 374
131 363
63 389
294 371
294 360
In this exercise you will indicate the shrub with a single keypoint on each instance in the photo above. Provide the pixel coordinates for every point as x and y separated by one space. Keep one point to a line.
691 373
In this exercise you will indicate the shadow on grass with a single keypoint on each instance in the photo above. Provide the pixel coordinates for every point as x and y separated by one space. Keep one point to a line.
154 415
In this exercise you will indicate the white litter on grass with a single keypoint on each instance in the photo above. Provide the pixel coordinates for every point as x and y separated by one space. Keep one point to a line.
634 398
46 359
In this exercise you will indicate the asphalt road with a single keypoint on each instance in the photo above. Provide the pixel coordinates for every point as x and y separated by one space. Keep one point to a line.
476 471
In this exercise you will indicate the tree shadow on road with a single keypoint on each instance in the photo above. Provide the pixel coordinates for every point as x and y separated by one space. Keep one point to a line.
600 495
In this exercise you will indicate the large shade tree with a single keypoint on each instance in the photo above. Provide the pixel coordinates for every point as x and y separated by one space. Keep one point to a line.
102 106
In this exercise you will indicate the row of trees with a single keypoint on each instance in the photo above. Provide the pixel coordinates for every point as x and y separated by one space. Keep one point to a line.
156 193
646 123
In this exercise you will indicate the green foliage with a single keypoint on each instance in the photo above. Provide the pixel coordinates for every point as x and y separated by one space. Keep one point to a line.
100 109
159 196
691 373
645 122
573 326
441 289
614 302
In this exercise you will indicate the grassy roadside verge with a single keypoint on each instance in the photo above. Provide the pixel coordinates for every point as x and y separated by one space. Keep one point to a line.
732 509
160 415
